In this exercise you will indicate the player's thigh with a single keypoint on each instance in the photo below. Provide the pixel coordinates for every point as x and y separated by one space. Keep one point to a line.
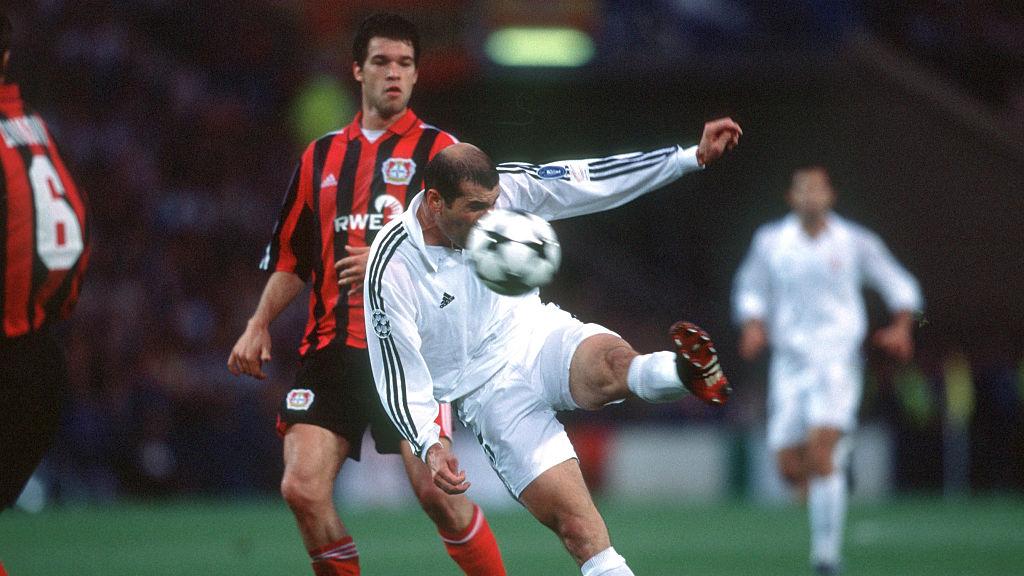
792 462
313 456
573 354
35 384
516 426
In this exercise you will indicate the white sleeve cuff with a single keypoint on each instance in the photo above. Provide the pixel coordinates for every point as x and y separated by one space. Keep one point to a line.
688 158
433 437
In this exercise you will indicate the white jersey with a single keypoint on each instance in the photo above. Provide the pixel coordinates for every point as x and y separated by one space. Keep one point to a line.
808 290
434 331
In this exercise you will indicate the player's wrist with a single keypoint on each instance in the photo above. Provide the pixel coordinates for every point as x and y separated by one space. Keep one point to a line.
258 323
430 451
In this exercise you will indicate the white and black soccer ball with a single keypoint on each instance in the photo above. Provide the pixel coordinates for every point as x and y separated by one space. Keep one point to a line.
513 251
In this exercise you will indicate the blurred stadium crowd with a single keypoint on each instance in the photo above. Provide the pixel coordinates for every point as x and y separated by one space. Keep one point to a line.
176 119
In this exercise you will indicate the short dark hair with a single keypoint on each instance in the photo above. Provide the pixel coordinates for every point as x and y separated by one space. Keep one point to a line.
385 25
448 170
5 33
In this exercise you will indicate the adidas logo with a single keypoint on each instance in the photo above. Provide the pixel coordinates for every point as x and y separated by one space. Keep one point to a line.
446 299
329 181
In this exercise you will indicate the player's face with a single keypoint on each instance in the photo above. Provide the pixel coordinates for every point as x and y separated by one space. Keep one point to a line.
811 195
387 76
457 220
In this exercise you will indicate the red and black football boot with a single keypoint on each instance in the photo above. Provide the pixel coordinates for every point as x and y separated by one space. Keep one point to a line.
697 363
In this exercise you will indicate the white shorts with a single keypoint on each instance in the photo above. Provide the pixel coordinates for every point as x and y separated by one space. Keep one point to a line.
513 415
803 394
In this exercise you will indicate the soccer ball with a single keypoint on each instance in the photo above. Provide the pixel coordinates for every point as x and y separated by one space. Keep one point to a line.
513 251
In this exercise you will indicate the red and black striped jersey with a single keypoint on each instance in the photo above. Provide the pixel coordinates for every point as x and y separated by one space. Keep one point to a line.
343 191
43 215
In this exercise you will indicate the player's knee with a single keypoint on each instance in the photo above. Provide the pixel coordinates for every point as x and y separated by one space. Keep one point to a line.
303 492
792 469
821 463
598 371
433 501
582 536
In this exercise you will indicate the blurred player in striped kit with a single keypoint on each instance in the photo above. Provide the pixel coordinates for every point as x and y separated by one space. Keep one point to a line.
348 184
43 256
799 291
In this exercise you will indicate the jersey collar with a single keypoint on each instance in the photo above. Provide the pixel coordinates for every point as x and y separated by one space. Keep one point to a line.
412 224
407 122
793 221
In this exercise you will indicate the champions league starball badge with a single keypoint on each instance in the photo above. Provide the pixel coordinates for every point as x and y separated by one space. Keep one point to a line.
381 324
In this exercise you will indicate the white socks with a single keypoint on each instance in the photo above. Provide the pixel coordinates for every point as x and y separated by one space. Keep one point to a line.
606 563
653 377
826 503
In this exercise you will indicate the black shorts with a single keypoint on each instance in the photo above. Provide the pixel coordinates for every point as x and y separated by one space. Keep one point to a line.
334 390
33 392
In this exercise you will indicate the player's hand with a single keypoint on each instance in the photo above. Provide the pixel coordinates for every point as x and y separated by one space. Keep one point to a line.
251 351
719 135
896 341
753 340
444 468
352 268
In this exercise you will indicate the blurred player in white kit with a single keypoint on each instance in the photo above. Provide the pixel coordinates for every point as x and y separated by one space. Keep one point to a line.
799 290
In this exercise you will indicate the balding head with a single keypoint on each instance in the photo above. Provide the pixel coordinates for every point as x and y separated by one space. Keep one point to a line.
458 164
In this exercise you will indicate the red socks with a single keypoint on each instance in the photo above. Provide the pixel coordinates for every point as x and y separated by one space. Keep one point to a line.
474 549
336 559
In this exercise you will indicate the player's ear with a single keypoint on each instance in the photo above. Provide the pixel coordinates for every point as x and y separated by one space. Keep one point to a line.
357 72
434 200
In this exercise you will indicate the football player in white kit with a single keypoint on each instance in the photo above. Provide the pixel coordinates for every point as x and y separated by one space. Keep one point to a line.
799 291
508 363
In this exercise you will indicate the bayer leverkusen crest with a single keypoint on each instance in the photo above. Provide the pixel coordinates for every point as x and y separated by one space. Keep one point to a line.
398 171
300 399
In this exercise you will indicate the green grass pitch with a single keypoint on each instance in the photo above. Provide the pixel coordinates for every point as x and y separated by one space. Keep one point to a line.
924 537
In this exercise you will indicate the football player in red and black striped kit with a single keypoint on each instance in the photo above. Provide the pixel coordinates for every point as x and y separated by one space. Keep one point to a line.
43 255
348 184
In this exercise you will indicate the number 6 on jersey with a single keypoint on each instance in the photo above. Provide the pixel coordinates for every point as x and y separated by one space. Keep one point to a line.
58 233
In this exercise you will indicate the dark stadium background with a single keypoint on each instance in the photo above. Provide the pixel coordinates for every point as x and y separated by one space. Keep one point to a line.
183 121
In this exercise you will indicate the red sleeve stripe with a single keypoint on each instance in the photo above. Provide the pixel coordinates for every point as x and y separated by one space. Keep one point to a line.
321 258
19 244
282 256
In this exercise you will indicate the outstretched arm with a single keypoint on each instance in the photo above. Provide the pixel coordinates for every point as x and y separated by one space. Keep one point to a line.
569 188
